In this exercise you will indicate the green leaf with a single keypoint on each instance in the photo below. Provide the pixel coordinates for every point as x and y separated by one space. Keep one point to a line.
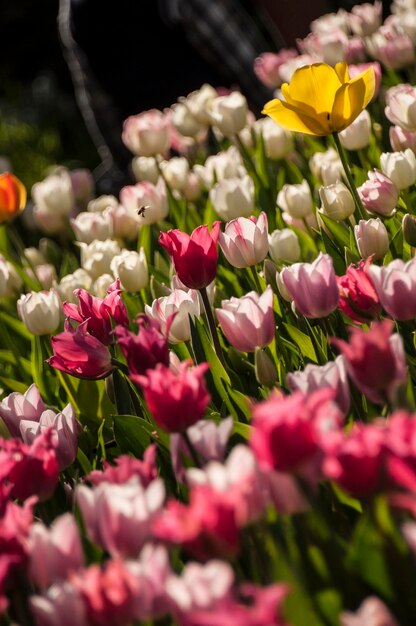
303 341
332 249
134 434
13 385
15 325
339 231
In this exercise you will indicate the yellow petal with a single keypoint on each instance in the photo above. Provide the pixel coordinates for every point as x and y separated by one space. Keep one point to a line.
341 69
369 78
295 119
349 102
314 86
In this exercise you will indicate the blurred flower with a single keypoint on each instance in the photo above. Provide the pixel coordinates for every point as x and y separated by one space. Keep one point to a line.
96 257
395 285
98 205
379 194
233 197
401 106
152 197
80 279
40 311
284 246
296 200
10 281
12 197
228 113
83 187
124 221
321 99
371 612
357 294
394 50
365 19
146 134
278 142
267 66
175 172
131 268
88 226
54 195
145 169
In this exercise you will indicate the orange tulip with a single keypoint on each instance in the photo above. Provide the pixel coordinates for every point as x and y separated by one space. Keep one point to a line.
12 197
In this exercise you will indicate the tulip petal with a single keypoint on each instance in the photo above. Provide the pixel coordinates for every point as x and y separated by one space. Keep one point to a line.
314 86
293 118
348 104
341 69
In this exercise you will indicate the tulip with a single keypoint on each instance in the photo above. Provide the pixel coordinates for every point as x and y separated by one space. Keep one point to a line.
409 229
321 100
375 360
12 197
312 286
98 205
358 134
326 166
379 194
278 142
55 552
54 194
198 102
17 407
394 50
296 200
96 257
193 187
337 201
225 164
89 226
328 47
357 294
332 375
119 517
175 172
244 241
233 197
371 612
131 268
401 106
176 401
184 122
195 256
228 113
395 285
284 245
46 275
331 21
180 303
400 167
248 322
40 311
366 18
267 66
146 134
152 197
80 354
264 368
61 605
66 428
145 350
80 279
10 281
402 139
125 221
127 467
102 284
372 238
288 68
145 169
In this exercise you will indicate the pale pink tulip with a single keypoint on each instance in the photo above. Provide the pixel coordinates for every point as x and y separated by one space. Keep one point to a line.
244 241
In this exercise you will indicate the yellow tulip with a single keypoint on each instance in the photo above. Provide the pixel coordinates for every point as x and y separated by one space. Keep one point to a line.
321 99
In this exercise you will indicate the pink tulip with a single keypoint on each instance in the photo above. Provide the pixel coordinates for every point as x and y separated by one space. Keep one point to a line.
402 139
248 322
401 106
176 401
61 605
366 18
357 296
146 349
146 134
401 451
313 286
153 197
267 66
379 194
17 406
194 256
244 241
55 551
395 285
66 429
127 467
119 517
287 431
375 360
332 375
371 612
80 354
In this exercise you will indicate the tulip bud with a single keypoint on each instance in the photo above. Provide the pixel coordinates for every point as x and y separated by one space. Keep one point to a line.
12 197
244 241
400 167
183 120
379 194
145 168
45 274
193 187
80 279
176 172
278 142
233 197
88 226
131 268
98 205
284 245
401 106
372 238
409 229
266 373
34 256
96 257
229 113
101 285
328 159
146 134
337 201
401 139
357 135
10 281
54 196
40 311
198 102
296 199
282 288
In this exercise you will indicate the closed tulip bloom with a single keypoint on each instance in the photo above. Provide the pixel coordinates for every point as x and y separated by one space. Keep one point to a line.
80 279
326 166
321 99
88 226
313 286
181 303
357 135
337 201
98 205
284 245
278 142
183 120
372 238
194 256
401 139
96 257
146 134
379 194
145 169
400 167
153 197
176 172
125 221
393 49
375 360
248 322
146 349
54 194
395 285
332 375
54 552
366 18
80 354
267 66
229 113
40 311
131 268
10 281
176 401
357 294
21 406
225 164
244 241
401 106
296 200
12 197
233 197
371 612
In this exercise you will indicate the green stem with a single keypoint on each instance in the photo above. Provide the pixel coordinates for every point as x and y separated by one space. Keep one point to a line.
20 248
249 161
360 210
121 366
256 278
211 324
